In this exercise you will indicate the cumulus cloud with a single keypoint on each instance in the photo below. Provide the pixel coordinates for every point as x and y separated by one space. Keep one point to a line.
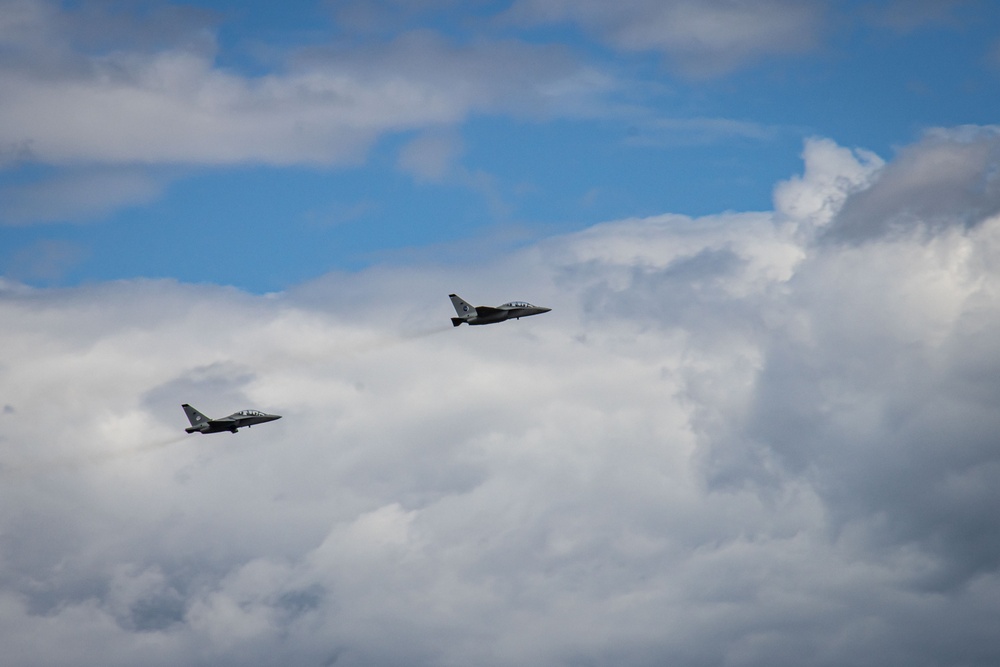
949 177
832 174
732 441
701 38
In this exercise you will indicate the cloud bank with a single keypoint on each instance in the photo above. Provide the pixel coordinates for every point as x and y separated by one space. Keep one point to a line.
745 439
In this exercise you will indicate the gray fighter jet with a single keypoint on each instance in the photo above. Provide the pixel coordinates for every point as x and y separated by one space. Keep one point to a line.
513 310
202 424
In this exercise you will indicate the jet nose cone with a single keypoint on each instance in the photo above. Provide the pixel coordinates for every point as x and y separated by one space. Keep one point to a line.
543 309
271 418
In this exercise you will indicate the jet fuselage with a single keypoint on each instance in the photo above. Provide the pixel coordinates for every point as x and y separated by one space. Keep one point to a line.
202 424
475 315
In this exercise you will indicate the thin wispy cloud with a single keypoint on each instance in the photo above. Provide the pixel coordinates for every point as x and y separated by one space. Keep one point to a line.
699 38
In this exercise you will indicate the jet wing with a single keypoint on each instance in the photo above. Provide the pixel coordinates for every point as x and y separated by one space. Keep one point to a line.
486 311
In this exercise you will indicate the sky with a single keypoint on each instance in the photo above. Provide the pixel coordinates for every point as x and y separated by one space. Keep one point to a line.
758 426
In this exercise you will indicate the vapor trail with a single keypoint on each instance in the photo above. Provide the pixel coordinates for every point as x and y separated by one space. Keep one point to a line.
36 467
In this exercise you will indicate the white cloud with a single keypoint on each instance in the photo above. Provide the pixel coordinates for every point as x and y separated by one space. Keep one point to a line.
730 442
701 38
949 177
92 86
172 104
832 174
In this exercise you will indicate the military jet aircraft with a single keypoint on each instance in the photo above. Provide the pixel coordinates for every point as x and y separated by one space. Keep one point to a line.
488 315
202 424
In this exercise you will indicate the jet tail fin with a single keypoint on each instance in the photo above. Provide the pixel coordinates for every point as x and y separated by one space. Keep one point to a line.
464 309
197 419
455 321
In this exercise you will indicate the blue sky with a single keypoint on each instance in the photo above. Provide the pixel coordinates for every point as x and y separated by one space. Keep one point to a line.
526 119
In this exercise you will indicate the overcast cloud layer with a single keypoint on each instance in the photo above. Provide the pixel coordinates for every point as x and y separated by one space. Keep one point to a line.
748 439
